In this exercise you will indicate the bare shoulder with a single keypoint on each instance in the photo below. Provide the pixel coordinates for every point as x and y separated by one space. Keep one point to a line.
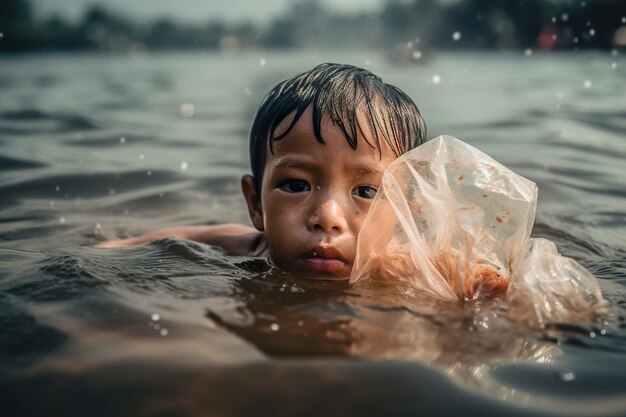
235 239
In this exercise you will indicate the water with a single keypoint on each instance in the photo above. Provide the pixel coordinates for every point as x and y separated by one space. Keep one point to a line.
95 147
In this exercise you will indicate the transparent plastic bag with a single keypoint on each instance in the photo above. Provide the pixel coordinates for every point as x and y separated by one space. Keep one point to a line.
547 287
456 224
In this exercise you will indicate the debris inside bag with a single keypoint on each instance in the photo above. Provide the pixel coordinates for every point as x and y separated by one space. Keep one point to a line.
456 224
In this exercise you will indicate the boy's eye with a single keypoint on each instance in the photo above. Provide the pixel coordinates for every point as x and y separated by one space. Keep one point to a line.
294 186
365 191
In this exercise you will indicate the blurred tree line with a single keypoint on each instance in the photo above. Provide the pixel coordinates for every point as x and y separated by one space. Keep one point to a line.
461 24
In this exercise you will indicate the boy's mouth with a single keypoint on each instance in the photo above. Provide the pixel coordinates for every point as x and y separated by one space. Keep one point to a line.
325 259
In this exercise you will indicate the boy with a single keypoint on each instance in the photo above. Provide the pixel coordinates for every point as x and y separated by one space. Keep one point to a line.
319 144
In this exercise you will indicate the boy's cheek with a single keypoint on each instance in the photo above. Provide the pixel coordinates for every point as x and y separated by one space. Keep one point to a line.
279 217
361 213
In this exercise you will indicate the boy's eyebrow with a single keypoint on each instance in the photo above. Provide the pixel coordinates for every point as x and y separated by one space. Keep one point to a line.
369 170
293 163
296 163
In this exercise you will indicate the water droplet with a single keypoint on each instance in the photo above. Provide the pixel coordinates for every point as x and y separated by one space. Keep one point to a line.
614 52
559 96
62 220
614 65
183 166
603 332
528 52
587 83
141 156
592 334
187 109
149 173
274 327
575 40
164 332
367 62
417 54
247 91
456 36
126 212
122 140
623 19
567 376
409 44
565 17
436 79
155 317
98 226
300 323
1 35
262 61
592 32
58 188
553 19
318 188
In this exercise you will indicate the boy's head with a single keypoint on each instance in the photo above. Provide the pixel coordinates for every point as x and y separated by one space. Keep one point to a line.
318 146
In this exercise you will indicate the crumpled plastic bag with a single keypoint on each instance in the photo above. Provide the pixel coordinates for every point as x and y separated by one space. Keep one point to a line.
456 224
549 288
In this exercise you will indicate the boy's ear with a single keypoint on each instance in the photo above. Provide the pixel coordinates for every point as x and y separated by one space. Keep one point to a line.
253 200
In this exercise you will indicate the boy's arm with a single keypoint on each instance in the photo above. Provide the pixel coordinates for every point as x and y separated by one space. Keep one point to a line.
235 239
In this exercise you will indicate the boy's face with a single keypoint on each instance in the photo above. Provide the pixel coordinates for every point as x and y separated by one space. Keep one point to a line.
314 198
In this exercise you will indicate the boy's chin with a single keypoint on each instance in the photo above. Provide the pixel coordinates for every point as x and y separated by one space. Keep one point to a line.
331 269
316 269
319 276
328 278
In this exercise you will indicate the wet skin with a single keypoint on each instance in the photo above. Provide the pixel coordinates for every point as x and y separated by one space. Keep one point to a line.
314 198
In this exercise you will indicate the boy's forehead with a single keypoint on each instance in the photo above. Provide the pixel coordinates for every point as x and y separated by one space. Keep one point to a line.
300 148
327 162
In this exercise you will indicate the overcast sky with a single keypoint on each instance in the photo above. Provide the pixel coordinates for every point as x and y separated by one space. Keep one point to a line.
197 10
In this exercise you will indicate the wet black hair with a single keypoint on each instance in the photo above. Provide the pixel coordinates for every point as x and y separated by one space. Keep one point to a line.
337 92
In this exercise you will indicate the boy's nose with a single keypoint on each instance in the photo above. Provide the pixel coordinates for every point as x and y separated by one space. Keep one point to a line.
328 216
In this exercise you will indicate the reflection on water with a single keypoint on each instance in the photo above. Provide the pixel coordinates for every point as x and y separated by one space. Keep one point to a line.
178 328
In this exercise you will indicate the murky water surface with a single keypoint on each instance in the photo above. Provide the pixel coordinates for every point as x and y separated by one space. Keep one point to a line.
98 147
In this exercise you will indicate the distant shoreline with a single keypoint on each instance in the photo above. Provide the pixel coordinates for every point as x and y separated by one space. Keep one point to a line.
417 26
